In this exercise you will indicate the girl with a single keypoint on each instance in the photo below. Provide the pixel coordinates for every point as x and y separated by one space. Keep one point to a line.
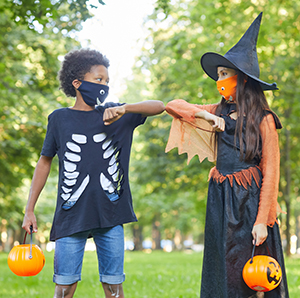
243 186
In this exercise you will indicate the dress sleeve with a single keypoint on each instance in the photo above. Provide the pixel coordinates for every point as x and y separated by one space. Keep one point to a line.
190 135
270 165
179 108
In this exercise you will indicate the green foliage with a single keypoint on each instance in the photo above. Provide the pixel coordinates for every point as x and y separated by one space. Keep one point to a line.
163 185
163 5
47 12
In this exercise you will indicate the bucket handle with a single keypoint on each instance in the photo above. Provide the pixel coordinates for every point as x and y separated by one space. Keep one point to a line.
31 232
253 249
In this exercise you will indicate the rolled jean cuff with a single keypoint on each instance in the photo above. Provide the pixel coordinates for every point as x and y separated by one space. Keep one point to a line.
112 279
65 280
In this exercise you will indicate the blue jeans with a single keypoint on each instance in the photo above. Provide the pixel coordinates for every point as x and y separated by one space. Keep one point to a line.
69 253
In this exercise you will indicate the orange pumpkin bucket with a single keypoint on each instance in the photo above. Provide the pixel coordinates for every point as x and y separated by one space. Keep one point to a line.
26 259
262 273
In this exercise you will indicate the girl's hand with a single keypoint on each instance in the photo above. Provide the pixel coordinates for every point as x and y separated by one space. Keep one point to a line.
259 233
113 114
216 122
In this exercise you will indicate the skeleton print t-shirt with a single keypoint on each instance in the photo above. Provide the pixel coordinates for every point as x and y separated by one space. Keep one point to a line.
93 187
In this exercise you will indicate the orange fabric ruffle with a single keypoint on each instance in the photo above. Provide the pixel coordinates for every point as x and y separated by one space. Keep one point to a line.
189 134
243 177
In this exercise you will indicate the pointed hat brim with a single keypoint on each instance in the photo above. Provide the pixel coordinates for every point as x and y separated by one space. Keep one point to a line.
211 61
242 56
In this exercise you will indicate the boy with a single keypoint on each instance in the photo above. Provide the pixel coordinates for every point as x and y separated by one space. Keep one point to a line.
93 146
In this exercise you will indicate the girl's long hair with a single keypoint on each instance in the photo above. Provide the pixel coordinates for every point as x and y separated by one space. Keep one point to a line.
251 104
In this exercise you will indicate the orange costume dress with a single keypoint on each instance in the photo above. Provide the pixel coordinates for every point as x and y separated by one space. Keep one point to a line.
240 194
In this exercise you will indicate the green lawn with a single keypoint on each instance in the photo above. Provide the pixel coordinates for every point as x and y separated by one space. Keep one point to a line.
154 275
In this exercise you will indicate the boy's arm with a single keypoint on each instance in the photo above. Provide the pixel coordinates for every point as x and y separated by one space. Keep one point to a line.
146 108
39 179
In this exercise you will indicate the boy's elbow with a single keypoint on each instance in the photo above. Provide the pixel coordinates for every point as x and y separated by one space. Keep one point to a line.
160 106
156 107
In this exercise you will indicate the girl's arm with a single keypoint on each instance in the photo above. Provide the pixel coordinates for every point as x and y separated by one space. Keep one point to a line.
216 122
146 108
179 108
39 179
270 165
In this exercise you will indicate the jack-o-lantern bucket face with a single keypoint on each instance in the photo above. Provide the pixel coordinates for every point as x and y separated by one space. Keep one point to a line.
262 274
22 263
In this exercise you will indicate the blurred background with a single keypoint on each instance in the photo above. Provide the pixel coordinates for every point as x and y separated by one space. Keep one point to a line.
154 47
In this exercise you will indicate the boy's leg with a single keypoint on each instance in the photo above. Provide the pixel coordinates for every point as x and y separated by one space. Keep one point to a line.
68 263
65 291
113 291
110 251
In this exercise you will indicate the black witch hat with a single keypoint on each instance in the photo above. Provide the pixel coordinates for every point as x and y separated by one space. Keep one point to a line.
242 56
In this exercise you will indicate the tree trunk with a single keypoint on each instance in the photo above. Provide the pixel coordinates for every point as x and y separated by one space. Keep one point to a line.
298 229
156 236
287 192
19 235
8 244
178 241
137 232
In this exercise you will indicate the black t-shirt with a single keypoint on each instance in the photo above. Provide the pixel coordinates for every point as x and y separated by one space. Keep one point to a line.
93 187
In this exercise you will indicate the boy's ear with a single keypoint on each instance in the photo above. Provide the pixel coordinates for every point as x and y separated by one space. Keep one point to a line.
76 83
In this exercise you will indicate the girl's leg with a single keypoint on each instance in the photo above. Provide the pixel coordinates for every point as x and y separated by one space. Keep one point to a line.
258 295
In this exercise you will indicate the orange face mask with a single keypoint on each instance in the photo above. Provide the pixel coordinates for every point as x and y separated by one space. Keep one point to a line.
227 87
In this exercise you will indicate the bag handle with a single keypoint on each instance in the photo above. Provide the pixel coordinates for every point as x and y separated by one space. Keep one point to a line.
31 232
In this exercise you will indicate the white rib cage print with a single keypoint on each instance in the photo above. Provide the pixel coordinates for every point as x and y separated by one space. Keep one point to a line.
111 184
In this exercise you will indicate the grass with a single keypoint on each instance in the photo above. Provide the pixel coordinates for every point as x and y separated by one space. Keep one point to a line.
154 275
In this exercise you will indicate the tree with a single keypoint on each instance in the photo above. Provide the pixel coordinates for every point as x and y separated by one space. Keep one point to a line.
46 12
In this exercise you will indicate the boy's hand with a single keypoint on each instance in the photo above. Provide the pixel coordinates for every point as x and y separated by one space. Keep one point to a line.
29 220
113 114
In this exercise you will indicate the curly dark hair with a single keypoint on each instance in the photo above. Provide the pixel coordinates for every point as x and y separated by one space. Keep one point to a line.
76 64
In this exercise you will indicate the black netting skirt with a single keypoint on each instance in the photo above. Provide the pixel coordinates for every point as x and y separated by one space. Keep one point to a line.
231 213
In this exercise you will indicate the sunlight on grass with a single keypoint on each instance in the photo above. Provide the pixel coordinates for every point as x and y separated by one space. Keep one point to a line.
154 275
293 274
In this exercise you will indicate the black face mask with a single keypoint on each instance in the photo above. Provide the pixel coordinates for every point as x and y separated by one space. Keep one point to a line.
92 93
